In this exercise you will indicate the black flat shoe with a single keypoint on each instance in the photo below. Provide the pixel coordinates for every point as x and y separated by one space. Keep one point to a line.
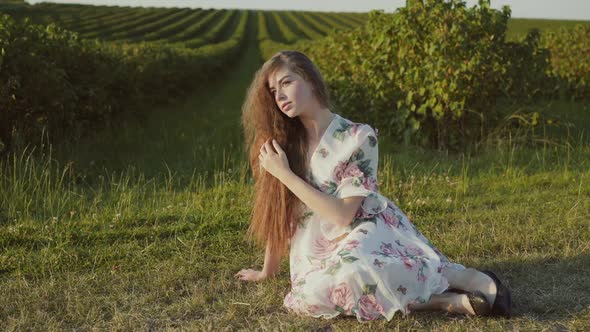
503 302
477 299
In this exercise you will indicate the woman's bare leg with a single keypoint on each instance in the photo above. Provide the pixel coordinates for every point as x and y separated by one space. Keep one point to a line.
470 280
450 302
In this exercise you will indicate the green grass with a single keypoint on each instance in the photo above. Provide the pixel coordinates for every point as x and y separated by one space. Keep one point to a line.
143 226
135 253
518 27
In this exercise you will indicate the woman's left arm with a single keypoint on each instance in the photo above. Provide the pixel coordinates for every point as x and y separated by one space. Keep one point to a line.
339 211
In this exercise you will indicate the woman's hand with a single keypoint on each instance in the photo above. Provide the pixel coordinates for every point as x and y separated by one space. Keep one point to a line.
276 163
250 275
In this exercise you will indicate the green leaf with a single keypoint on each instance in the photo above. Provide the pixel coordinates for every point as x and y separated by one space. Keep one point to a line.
343 252
333 269
369 289
349 259
438 111
409 97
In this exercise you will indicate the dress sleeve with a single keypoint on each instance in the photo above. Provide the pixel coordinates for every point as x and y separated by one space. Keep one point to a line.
357 176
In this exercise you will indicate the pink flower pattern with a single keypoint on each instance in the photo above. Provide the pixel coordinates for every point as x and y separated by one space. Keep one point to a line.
351 245
355 128
341 296
390 219
323 248
351 273
369 308
413 250
352 170
339 170
370 183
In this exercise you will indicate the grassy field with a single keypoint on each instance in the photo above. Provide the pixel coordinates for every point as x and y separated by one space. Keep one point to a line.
518 27
104 21
142 227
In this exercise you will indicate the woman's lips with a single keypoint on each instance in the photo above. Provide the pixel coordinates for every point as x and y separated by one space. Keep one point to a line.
287 106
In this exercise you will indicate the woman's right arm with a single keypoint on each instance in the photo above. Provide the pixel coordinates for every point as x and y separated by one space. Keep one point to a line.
271 267
271 263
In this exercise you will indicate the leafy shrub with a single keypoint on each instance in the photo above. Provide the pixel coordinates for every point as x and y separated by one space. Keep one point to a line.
431 72
53 82
47 81
569 60
527 66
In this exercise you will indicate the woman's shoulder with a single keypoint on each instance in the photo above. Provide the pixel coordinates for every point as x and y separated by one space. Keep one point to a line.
357 129
355 126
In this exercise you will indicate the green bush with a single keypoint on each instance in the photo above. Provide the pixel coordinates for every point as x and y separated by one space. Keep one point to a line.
50 81
53 82
430 72
526 69
569 60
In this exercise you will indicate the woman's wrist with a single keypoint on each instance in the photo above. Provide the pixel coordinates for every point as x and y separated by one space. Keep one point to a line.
284 177
268 273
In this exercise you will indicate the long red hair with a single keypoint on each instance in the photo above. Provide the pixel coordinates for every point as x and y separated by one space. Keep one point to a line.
276 209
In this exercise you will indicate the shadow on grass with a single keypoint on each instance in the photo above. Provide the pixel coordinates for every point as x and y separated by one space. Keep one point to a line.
549 288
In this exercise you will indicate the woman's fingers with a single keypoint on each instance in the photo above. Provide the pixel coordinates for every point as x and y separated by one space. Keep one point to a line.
277 146
267 145
242 272
242 275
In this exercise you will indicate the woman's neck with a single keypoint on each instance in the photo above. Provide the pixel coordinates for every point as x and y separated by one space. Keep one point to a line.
317 123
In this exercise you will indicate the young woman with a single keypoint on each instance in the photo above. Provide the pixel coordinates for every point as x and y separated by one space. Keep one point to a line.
352 251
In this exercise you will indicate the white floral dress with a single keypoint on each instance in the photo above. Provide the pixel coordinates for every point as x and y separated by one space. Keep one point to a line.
377 265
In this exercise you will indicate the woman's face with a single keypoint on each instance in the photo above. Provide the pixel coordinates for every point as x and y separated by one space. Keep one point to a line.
292 94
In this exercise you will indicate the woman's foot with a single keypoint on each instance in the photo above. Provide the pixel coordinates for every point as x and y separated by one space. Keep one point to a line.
451 302
470 303
459 304
486 285
479 281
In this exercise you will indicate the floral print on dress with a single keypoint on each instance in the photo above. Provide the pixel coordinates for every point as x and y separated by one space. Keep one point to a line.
377 265
342 298
323 152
